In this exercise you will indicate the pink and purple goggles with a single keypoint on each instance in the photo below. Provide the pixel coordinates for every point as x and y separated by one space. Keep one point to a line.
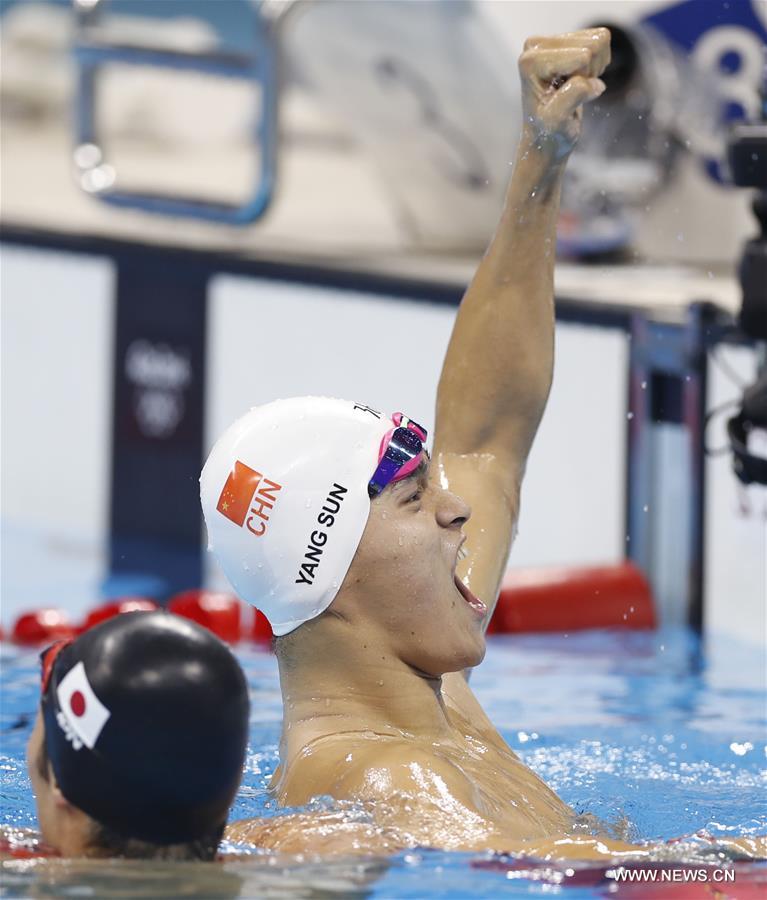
400 453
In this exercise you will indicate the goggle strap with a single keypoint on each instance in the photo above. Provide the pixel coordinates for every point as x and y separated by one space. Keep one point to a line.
48 660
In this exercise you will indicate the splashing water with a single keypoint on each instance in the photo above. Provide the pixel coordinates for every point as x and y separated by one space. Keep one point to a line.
654 733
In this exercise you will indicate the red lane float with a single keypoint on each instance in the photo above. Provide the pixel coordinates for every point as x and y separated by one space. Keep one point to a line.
42 626
547 599
262 630
217 611
116 608
573 598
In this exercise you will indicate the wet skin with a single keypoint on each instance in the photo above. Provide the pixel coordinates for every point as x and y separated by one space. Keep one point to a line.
375 703
63 827
374 720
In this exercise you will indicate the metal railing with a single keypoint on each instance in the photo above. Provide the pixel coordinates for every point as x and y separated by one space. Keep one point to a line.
261 68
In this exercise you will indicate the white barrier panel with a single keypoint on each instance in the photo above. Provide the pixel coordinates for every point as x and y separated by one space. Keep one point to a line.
57 313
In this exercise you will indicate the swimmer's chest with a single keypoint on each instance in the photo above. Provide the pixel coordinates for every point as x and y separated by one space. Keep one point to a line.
508 792
507 787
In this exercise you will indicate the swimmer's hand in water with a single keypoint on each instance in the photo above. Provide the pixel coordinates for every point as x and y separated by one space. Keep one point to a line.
559 74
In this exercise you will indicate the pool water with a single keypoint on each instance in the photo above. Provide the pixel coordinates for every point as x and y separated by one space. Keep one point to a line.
657 733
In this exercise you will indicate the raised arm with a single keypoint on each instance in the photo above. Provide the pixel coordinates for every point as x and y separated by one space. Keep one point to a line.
497 372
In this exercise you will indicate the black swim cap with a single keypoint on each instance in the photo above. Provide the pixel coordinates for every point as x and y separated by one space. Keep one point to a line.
146 725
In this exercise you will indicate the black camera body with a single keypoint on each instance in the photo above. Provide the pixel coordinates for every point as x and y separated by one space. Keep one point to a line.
747 155
748 165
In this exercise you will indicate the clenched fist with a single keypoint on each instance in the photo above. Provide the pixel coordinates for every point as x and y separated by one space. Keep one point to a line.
559 74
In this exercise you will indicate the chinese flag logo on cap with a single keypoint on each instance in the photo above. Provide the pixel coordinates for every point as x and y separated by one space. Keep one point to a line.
84 712
238 492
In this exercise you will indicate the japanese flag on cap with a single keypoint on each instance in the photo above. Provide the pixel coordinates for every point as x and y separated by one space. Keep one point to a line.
84 712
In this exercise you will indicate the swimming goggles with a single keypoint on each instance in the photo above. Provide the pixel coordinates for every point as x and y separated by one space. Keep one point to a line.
399 454
47 661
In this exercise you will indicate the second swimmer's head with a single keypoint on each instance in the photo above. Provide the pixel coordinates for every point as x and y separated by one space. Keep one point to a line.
140 742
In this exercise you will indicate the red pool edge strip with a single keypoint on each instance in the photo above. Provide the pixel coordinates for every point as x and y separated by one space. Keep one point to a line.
574 598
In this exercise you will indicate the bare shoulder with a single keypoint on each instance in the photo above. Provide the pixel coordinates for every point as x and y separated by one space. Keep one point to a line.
400 769
357 767
330 833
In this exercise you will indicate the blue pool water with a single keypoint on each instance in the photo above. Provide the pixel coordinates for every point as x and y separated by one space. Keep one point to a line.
656 733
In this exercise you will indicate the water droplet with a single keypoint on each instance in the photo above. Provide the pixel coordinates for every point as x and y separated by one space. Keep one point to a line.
644 385
308 504
741 749
645 508
630 415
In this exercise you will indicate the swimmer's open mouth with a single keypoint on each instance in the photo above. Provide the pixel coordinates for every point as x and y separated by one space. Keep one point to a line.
474 602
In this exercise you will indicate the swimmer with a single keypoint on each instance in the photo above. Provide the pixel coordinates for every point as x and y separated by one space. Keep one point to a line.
139 742
378 566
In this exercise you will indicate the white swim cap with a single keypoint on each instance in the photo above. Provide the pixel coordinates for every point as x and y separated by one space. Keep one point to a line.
285 497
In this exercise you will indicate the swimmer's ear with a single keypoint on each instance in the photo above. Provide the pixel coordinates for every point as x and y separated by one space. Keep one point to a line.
59 800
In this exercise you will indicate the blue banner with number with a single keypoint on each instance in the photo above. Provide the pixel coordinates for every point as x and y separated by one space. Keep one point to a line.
727 40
